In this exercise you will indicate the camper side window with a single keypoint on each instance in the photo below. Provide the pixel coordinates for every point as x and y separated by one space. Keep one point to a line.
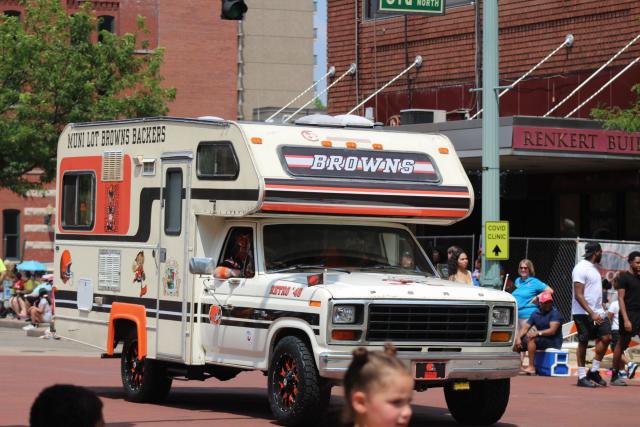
78 200
238 252
217 160
173 203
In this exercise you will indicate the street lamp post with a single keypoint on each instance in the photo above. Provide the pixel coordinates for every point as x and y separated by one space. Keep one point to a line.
490 128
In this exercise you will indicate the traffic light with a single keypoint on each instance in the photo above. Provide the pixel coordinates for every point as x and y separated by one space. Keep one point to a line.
233 9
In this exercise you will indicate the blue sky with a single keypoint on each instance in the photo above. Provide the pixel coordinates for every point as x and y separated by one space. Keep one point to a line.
320 47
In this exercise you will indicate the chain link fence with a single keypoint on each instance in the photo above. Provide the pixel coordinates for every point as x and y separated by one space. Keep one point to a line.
553 259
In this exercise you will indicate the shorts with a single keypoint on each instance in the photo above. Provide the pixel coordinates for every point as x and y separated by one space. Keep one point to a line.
634 317
587 330
542 343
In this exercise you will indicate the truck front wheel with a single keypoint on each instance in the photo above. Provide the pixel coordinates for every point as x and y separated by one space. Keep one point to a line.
143 380
296 393
483 403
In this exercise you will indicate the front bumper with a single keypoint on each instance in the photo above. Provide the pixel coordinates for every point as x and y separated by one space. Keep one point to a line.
458 366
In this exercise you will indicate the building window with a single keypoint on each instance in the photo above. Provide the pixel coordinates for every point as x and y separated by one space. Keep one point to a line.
78 200
173 202
12 13
11 233
106 23
217 160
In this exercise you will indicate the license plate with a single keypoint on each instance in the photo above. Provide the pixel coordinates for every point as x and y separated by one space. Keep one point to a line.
430 370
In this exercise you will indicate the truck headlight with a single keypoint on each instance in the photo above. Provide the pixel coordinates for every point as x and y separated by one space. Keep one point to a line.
501 316
344 314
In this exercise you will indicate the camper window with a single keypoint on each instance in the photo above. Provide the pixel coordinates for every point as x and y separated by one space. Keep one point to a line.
78 200
238 252
173 202
217 160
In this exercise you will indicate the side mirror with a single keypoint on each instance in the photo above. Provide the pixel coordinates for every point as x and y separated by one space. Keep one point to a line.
201 265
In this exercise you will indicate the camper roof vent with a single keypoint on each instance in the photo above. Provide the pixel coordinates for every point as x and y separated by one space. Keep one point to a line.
112 165
344 120
211 118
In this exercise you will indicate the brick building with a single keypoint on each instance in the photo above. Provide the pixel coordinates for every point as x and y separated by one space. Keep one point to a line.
594 187
450 47
202 62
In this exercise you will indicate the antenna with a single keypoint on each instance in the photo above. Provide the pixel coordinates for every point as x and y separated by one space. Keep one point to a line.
416 63
593 75
568 42
352 70
330 73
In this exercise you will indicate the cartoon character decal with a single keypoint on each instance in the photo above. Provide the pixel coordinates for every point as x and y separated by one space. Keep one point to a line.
111 208
138 273
171 278
65 266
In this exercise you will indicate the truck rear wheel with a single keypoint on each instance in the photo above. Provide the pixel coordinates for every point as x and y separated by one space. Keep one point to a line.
296 392
143 380
483 404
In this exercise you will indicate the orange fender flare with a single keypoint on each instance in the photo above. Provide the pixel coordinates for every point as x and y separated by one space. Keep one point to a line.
135 313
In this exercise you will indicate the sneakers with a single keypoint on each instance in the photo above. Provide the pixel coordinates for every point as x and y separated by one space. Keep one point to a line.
596 378
623 374
586 382
617 381
631 369
28 327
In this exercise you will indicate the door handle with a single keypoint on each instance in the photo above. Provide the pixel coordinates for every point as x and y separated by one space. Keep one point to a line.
235 281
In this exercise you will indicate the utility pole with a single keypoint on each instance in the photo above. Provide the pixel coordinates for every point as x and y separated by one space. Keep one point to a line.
490 135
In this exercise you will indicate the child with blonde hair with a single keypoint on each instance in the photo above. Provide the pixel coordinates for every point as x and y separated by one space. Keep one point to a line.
378 389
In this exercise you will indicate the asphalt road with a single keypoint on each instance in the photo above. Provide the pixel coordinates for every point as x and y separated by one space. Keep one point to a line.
29 364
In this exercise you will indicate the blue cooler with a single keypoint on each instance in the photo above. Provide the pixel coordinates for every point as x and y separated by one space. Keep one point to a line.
552 362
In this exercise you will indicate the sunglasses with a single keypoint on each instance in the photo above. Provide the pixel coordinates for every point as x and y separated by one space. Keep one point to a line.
524 268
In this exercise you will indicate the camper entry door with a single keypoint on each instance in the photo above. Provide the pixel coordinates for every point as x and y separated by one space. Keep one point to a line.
174 320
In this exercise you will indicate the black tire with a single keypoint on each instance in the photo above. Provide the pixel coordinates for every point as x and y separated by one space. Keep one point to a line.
297 394
483 404
143 380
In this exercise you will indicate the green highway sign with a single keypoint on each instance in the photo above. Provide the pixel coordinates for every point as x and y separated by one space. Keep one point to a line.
431 7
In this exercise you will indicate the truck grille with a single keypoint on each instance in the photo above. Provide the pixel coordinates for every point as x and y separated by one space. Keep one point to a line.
440 323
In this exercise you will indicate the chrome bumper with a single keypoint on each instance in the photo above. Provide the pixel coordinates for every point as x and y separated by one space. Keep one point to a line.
459 366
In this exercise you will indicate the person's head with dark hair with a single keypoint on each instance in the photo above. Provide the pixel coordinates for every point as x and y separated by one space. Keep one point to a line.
458 262
593 252
18 276
634 262
27 274
65 405
633 255
378 389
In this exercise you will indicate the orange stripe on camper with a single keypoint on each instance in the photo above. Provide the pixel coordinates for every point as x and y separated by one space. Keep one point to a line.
365 190
135 313
355 210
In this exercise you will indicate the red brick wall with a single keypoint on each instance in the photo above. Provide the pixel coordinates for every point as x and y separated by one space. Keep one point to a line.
32 212
200 58
200 49
529 30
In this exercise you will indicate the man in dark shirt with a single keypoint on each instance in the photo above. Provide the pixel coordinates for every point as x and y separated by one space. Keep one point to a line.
547 333
629 315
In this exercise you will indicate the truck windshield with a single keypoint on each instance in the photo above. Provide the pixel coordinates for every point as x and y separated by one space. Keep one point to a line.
309 246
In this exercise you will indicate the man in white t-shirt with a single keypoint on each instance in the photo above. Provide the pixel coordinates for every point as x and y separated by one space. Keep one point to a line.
589 316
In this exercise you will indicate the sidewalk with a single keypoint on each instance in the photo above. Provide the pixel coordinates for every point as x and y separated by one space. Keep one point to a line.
19 324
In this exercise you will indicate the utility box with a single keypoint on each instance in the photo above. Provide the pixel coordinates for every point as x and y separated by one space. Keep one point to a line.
414 116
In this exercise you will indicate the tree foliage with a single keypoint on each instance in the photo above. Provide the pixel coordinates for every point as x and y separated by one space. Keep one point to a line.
54 71
621 119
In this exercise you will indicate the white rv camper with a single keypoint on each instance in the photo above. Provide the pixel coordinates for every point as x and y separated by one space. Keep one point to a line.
203 248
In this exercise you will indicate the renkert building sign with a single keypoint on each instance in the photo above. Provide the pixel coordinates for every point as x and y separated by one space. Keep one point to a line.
590 141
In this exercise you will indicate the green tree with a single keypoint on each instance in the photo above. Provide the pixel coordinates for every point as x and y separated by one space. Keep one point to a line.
54 71
619 118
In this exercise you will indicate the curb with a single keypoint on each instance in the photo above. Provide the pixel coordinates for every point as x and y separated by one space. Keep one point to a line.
19 324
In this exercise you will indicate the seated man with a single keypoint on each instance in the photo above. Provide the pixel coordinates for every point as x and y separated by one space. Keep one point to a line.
547 333
239 255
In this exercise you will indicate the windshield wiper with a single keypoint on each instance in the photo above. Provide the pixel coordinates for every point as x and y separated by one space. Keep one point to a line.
307 267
